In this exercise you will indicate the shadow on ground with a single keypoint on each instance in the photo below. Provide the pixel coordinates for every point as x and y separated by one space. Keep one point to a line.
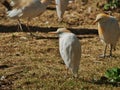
81 31
101 82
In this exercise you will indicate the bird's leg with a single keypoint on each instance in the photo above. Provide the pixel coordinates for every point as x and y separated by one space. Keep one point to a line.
104 53
75 73
114 47
111 47
27 25
60 20
20 26
67 71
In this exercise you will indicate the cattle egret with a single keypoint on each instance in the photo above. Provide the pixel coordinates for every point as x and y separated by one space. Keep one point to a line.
109 31
70 49
60 8
27 9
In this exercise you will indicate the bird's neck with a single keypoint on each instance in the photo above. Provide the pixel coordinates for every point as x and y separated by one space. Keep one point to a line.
62 35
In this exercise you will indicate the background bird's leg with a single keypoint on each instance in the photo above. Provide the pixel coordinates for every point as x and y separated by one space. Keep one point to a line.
27 25
67 70
19 26
111 47
114 47
104 53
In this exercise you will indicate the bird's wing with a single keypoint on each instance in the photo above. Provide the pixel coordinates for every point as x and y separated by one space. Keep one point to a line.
75 51
64 50
21 3
114 22
18 7
112 25
111 30
69 50
15 13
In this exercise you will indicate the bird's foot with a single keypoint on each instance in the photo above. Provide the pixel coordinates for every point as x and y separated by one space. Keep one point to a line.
75 75
32 35
60 20
110 56
102 56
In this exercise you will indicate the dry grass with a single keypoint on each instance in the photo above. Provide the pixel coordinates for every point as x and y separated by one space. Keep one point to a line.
36 64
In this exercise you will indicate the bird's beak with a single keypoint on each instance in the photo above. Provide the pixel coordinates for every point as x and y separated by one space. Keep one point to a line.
55 4
52 32
52 3
95 22
72 2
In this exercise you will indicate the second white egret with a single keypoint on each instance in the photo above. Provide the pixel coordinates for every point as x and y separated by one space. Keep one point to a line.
70 49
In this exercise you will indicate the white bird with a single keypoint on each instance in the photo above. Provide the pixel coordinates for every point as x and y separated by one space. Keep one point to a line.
60 8
109 31
70 49
27 9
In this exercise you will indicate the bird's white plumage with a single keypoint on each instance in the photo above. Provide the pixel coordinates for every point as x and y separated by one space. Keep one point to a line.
70 49
30 8
61 7
15 13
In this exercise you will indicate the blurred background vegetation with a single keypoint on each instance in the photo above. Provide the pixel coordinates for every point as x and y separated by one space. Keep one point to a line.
112 4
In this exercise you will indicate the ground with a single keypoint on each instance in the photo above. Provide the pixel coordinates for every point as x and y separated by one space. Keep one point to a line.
35 64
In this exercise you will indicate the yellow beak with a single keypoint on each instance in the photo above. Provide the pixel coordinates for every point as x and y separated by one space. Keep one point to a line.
95 21
52 3
52 32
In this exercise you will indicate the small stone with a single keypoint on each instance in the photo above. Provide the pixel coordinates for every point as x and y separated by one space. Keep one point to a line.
2 78
23 38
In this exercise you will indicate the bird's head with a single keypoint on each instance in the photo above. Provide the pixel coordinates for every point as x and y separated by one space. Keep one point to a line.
60 31
48 2
45 1
101 17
